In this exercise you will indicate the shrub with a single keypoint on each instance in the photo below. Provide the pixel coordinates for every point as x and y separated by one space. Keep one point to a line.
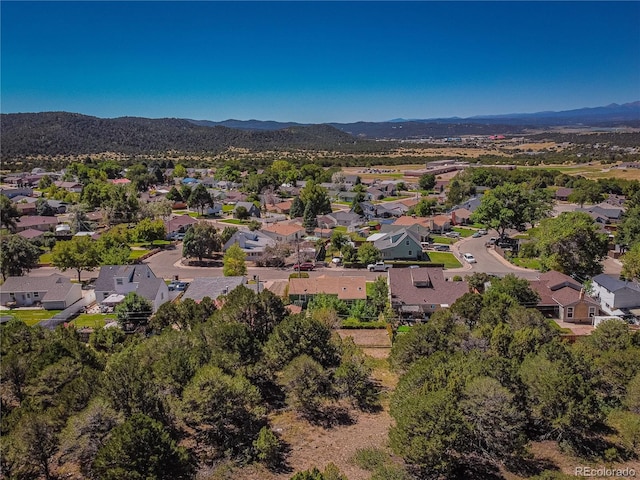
370 458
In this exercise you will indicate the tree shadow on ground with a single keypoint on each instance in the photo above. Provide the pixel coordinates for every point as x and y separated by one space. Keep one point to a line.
331 416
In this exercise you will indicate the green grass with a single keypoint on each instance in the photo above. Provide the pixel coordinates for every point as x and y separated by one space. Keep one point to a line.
32 317
228 208
45 259
369 287
187 212
97 320
449 259
443 240
135 254
464 232
532 263
233 221
340 228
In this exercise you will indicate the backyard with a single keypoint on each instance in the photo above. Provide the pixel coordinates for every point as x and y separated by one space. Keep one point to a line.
31 316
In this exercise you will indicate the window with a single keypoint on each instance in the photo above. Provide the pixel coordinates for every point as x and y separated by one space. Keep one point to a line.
105 294
28 295
118 281
36 294
410 253
569 312
407 242
592 312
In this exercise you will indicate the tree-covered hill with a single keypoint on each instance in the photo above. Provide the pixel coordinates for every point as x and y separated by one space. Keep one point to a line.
62 133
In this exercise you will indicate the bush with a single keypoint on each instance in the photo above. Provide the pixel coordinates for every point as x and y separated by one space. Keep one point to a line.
352 323
457 278
370 458
268 447
299 275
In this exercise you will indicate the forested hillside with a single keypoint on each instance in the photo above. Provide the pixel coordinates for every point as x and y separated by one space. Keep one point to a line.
61 133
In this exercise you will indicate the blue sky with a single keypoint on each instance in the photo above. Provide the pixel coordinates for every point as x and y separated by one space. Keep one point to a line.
317 61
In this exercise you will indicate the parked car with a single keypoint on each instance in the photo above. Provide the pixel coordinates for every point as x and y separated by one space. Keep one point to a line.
469 258
482 231
178 286
304 267
476 235
452 235
336 260
441 248
378 267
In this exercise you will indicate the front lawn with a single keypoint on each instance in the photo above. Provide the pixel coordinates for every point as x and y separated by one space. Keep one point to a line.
93 320
532 263
464 232
32 317
448 259
135 254
45 259
233 221
442 239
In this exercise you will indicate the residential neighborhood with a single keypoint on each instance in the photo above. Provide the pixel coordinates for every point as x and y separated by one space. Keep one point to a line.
358 220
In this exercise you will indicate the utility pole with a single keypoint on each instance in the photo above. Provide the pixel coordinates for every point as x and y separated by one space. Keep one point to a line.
298 254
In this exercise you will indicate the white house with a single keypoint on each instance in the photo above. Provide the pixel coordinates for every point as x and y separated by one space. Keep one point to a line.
122 279
614 294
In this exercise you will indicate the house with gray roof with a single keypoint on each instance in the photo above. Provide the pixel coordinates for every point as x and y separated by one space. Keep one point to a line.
399 245
250 207
615 295
211 287
54 292
122 279
251 243
340 218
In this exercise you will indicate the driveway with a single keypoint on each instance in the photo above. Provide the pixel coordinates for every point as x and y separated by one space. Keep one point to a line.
487 260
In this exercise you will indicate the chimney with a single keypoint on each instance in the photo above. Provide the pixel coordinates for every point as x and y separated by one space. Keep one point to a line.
581 294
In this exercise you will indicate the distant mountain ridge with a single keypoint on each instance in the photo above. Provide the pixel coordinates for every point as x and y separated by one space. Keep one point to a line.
63 133
399 128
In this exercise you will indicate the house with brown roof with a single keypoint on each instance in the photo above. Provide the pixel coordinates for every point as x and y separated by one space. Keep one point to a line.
347 289
564 298
280 207
563 193
460 216
417 292
284 232
36 222
31 233
407 221
73 187
179 224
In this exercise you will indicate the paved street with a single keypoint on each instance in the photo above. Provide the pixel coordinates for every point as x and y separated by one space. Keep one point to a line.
487 260
167 264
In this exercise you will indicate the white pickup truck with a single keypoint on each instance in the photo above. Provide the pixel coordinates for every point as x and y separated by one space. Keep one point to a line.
378 267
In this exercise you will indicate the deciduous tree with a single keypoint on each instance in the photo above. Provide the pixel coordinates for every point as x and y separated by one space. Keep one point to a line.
80 253
134 311
572 244
201 241
9 214
510 206
234 262
17 256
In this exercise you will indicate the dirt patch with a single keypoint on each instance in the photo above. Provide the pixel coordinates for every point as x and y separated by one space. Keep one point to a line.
367 338
549 453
